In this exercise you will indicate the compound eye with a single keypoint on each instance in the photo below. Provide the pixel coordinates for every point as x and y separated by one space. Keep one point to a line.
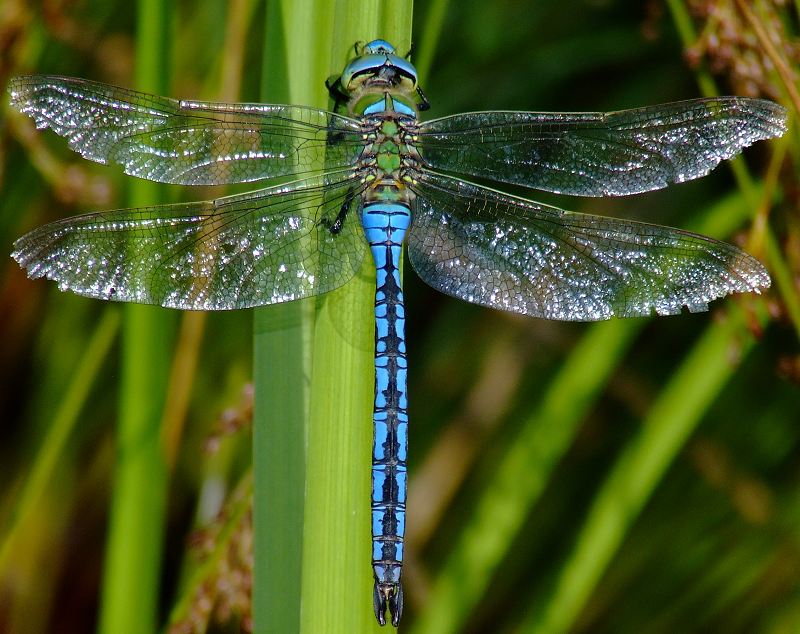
379 47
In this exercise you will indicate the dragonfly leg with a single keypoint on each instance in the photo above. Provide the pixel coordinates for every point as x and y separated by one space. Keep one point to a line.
337 93
336 225
423 104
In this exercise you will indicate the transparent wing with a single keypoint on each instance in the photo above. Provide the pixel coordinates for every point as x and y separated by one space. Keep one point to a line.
508 253
264 247
600 154
186 142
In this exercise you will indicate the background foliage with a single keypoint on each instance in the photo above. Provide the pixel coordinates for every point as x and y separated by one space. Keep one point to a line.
636 475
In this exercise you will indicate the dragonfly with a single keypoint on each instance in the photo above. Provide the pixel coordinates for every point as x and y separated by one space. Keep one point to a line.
370 176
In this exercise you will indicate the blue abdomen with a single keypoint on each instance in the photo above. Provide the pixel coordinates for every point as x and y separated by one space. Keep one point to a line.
385 227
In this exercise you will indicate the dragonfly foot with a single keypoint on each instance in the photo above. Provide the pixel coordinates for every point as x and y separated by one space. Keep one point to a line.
388 595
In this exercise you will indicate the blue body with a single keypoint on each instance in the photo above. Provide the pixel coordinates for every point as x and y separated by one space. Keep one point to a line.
385 226
379 84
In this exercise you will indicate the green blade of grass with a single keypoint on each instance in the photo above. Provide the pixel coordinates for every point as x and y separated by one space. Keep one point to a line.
134 546
522 476
58 433
333 591
319 494
431 31
673 417
282 363
337 579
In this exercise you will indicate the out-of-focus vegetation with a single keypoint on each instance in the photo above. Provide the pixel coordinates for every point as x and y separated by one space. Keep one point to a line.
629 476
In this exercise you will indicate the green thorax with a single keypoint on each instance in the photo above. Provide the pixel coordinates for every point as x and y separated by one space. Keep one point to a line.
388 145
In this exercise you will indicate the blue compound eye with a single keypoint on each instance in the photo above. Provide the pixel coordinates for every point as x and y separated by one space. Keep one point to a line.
378 62
379 46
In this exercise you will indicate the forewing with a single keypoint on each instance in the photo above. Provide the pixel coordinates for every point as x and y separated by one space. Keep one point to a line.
263 247
186 142
600 154
496 250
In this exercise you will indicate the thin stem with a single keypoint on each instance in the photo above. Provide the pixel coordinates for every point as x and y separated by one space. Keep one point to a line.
784 70
138 509
672 418
281 365
58 433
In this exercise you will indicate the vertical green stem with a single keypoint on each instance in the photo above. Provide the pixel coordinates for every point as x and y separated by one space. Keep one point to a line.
336 583
337 580
325 583
280 375
59 432
135 540
630 484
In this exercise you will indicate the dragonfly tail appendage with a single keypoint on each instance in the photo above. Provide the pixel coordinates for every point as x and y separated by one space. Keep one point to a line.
388 596
385 226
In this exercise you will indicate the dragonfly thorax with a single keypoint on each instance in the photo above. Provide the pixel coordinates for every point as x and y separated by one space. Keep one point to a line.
389 156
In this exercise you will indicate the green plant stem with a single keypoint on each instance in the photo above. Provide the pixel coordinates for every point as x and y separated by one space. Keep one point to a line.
784 280
282 362
431 31
59 431
134 547
522 475
337 579
672 419
323 583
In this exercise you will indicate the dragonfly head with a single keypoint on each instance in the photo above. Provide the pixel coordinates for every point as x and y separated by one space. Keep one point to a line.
378 65
388 595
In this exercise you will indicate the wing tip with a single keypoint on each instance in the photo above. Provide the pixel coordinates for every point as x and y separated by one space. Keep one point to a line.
18 256
21 86
772 118
749 272
18 92
26 97
745 274
759 279
21 254
27 260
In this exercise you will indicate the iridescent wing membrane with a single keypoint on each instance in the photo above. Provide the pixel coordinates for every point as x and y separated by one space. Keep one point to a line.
469 241
263 247
497 250
596 153
187 142
517 255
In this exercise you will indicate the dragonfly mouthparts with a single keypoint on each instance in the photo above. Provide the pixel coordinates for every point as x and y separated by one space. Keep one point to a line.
388 595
